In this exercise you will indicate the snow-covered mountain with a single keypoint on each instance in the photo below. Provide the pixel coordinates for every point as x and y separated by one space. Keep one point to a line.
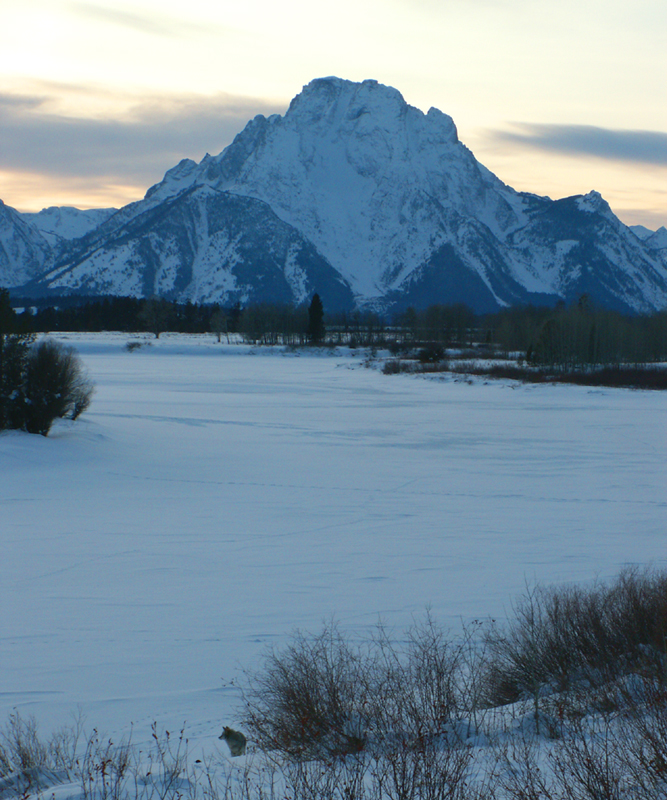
24 251
359 196
655 240
59 224
201 244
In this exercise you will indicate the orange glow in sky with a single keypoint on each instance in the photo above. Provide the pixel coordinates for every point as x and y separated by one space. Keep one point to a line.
99 99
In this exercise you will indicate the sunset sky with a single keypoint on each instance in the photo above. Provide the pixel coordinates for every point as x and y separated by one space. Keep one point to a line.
99 99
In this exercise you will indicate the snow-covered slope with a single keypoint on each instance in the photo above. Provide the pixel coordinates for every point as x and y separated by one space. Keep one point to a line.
374 183
658 239
64 223
580 247
24 252
402 209
387 197
205 244
216 497
641 231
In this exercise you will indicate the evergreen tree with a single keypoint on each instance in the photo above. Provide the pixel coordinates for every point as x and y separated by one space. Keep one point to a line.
155 315
316 329
14 349
219 323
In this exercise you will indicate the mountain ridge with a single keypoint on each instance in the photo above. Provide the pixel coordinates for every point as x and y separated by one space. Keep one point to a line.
383 206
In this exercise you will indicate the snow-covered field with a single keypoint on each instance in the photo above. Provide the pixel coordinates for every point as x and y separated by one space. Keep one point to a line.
216 497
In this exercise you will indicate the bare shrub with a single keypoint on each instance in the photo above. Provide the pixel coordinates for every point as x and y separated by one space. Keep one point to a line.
338 779
599 757
323 695
136 344
625 376
168 757
417 749
328 712
638 737
103 768
110 771
55 385
63 744
31 768
519 772
515 667
311 698
26 766
214 778
432 770
587 763
415 686
431 353
20 747
395 366
572 637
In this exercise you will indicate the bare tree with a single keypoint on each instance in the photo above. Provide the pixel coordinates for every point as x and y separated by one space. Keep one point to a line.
55 385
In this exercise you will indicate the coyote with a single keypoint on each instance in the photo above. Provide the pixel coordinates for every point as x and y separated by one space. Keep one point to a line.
236 741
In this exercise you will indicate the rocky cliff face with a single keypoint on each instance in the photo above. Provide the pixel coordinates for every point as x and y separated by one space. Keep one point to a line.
365 199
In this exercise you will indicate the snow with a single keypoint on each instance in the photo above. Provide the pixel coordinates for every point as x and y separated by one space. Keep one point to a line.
178 178
24 252
658 240
58 223
355 169
379 189
367 167
116 268
216 497
641 232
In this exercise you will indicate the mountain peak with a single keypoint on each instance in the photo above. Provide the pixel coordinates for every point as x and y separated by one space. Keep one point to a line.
336 101
355 192
332 88
176 179
658 240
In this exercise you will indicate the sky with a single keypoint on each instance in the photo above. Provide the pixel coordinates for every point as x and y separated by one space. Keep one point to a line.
99 98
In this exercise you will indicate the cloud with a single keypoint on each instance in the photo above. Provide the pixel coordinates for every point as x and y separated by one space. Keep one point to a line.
646 147
133 147
143 23
20 101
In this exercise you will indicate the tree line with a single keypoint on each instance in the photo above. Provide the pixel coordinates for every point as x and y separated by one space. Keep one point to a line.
581 336
128 314
266 323
565 337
